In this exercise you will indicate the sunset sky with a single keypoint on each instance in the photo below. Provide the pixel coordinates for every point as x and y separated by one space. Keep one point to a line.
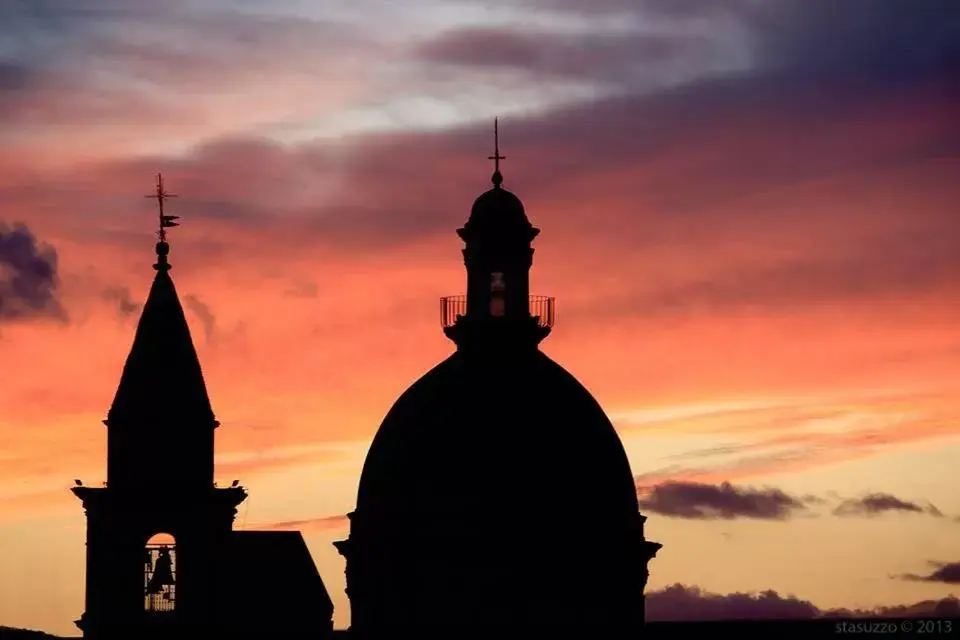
750 216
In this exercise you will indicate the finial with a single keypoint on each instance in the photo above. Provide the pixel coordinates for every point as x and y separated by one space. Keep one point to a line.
166 221
497 177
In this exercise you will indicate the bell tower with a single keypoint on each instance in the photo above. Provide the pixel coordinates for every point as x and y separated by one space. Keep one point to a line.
498 255
158 528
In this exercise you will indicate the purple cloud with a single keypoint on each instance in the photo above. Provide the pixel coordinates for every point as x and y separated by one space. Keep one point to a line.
857 39
726 501
679 602
877 503
698 501
944 572
28 276
688 603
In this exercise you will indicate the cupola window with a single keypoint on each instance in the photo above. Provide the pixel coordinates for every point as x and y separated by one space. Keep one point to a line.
497 288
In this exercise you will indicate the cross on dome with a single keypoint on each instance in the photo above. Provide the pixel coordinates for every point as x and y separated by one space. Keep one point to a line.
497 177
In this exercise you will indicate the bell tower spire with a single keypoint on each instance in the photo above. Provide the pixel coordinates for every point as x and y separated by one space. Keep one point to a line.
157 529
162 390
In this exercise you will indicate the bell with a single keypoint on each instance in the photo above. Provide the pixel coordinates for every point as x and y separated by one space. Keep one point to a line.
162 573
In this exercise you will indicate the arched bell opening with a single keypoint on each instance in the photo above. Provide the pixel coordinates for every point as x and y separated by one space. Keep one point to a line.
160 574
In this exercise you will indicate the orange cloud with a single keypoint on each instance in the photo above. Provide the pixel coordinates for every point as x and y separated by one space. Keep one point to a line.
790 439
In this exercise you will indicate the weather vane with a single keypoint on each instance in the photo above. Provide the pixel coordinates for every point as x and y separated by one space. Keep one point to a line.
165 221
496 157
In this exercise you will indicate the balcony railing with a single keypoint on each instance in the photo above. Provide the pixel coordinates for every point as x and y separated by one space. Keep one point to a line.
451 308
543 308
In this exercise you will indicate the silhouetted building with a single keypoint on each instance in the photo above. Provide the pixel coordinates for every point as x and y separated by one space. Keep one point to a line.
161 552
496 494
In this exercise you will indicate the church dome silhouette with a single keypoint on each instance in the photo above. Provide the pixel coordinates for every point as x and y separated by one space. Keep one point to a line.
496 493
471 436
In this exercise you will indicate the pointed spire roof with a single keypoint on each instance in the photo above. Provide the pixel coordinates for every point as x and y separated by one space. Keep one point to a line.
162 383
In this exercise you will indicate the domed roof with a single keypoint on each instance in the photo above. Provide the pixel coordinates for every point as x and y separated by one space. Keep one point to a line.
497 212
479 436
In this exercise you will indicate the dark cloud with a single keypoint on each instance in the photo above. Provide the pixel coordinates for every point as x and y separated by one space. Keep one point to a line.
28 276
877 503
868 40
887 40
724 501
204 313
679 602
945 572
125 305
687 603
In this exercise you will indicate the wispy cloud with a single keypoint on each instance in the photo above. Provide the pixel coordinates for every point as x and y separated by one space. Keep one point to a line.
325 523
785 437
204 313
122 298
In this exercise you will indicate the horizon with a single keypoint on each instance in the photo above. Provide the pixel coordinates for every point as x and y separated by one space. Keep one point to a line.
749 221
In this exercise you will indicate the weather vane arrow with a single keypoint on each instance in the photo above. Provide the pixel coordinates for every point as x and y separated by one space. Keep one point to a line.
166 221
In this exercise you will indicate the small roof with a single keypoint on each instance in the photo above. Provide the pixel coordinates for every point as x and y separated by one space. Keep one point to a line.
497 212
276 582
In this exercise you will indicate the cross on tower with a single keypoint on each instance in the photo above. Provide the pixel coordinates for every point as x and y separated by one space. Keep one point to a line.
496 157
160 195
